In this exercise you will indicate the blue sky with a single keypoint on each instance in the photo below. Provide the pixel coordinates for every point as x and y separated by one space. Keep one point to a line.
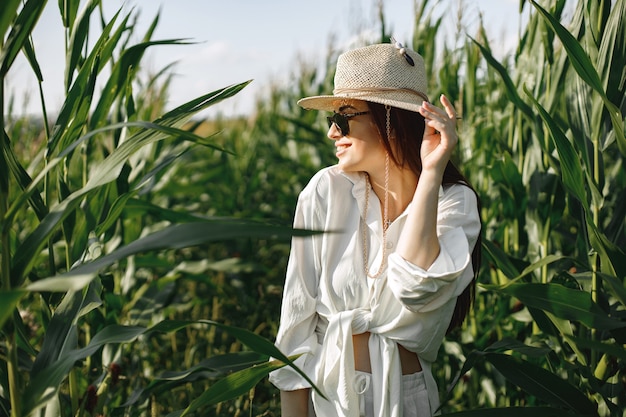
238 40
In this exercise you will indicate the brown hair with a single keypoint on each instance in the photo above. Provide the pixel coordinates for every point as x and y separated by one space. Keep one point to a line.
408 131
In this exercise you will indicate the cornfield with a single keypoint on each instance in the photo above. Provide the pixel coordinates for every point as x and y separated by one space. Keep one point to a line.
143 250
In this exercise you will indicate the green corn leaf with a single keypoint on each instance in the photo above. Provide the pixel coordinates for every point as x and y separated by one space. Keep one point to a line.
232 386
83 246
62 326
79 96
45 384
585 69
517 346
55 284
114 212
68 10
501 259
611 349
8 303
26 254
539 264
116 334
172 237
542 383
565 329
571 170
544 322
79 240
564 303
507 176
20 31
103 173
251 340
516 412
121 75
574 180
70 124
615 285
23 179
23 334
181 114
113 41
220 364
578 57
472 358
499 346
119 206
8 11
612 53
510 90
137 207
29 52
79 31
150 31
108 170
210 368
613 257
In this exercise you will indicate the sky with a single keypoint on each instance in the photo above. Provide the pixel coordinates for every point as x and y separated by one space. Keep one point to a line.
262 40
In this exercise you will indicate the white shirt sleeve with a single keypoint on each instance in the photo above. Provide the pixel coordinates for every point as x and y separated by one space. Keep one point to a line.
298 320
458 228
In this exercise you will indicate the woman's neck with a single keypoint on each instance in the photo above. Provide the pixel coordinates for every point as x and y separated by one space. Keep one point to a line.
402 184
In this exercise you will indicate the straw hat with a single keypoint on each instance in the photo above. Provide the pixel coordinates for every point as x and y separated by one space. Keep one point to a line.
383 73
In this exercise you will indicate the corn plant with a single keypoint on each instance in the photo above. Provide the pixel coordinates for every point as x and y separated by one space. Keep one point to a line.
80 224
116 304
543 141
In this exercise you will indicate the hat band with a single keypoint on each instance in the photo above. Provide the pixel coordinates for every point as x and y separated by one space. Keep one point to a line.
357 92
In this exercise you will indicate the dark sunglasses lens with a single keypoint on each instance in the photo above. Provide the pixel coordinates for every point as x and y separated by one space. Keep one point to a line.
341 121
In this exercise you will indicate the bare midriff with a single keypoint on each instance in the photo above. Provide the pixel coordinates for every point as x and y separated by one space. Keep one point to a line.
409 360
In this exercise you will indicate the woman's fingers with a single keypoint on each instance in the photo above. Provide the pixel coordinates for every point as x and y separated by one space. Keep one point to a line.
433 112
447 105
440 119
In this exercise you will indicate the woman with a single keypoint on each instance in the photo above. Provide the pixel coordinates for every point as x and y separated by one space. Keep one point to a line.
368 303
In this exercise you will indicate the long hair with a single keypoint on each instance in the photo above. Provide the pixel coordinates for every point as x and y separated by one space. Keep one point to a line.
404 150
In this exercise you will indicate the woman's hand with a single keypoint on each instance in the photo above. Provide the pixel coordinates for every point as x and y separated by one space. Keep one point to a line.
440 136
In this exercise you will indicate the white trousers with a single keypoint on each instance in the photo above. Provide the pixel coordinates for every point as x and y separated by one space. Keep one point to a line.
415 396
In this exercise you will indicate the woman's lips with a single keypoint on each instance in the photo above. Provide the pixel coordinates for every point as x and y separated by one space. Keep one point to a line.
341 148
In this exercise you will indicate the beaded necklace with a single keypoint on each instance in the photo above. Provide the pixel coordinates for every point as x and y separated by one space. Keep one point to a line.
386 222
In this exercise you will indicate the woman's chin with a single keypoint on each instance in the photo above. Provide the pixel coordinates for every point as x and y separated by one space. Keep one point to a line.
346 167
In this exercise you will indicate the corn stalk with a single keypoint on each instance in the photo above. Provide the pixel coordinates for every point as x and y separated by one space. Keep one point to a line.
96 169
556 180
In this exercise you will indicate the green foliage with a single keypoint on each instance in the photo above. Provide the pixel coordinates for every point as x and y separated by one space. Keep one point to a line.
128 273
554 226
87 245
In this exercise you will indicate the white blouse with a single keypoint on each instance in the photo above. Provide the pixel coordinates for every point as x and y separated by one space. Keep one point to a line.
328 298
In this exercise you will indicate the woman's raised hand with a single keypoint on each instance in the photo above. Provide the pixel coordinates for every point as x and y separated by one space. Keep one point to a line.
440 136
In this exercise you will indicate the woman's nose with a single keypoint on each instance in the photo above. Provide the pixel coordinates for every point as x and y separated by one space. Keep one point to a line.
334 133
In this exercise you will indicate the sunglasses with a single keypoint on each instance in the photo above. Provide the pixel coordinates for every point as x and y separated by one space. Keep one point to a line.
341 120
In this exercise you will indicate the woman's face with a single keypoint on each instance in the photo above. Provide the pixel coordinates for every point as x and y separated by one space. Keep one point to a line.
361 149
